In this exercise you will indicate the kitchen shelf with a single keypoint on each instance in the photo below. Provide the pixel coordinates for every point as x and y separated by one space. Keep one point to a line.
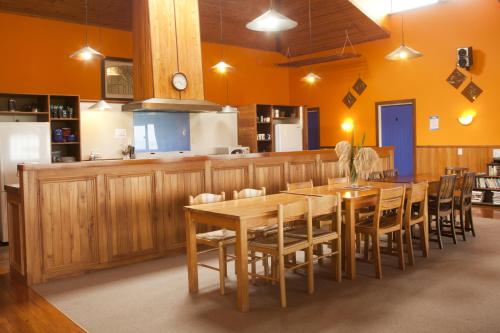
22 113
64 119
264 140
264 122
284 118
66 143
487 189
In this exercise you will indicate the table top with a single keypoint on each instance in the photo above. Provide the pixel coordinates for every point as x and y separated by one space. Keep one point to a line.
365 190
257 207
409 179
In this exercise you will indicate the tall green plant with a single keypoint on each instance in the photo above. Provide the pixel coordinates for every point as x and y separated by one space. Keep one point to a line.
354 152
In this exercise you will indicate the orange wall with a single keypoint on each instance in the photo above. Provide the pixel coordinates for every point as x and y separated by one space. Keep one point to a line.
437 31
35 52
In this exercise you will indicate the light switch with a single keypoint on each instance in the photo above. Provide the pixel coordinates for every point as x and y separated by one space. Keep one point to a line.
460 151
120 133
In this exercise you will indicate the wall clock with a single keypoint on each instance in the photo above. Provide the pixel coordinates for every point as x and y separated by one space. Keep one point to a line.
179 81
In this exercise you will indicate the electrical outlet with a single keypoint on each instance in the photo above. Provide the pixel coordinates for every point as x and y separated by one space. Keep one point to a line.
460 152
120 133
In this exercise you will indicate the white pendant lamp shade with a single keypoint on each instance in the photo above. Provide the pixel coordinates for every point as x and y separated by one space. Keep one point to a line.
222 67
101 105
311 78
228 109
271 21
86 53
402 53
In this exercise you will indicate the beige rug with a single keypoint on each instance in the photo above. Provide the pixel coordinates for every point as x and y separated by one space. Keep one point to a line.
456 290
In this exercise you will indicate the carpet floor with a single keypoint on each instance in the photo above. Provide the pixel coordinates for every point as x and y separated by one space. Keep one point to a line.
456 289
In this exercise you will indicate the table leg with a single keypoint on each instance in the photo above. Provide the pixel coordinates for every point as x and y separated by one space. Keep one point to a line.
350 240
242 268
191 253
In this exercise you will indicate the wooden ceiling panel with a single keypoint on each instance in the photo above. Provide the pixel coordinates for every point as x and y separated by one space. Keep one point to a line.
330 19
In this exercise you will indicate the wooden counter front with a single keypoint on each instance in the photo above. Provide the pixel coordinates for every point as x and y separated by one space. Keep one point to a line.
86 216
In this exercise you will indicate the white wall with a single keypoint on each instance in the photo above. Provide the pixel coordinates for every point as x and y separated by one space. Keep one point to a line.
208 131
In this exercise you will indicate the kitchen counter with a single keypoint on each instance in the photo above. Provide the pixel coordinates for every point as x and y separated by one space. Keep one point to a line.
79 217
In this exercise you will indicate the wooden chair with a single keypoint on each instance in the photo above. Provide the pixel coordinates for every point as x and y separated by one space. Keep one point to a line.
416 213
463 205
281 246
299 185
343 180
459 171
252 193
376 175
391 173
325 206
441 206
389 200
217 240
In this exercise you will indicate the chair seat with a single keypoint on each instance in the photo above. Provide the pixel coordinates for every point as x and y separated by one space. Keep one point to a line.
264 228
272 242
302 232
217 235
385 223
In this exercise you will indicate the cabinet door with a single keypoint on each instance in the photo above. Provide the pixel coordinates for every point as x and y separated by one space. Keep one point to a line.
130 215
68 225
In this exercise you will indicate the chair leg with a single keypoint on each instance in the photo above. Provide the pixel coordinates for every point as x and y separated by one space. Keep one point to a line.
342 245
281 273
337 259
401 251
424 238
358 243
320 253
409 244
274 269
453 232
366 247
265 263
462 223
222 269
224 250
471 222
389 242
254 267
376 255
438 231
310 271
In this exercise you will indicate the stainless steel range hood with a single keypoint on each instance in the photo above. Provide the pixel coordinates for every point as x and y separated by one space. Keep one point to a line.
172 105
166 36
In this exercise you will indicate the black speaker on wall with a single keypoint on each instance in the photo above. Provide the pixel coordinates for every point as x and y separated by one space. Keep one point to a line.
464 57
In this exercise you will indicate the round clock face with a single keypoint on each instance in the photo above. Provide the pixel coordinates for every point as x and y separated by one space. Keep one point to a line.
179 81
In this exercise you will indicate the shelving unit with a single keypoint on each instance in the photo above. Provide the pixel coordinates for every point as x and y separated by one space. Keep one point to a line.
25 103
487 187
258 119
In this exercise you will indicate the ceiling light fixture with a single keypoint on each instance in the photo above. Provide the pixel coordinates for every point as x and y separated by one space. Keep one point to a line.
310 78
101 105
403 52
86 53
221 67
271 21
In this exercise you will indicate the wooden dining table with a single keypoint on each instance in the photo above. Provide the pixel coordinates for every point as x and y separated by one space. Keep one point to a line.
238 215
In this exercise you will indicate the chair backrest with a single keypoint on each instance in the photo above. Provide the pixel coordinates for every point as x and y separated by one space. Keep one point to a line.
249 193
391 173
460 171
328 205
417 194
468 182
390 200
343 180
446 192
299 185
205 198
294 211
376 175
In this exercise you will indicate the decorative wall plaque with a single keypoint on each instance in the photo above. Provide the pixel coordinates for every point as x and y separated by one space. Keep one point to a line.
349 99
472 92
456 78
117 80
359 86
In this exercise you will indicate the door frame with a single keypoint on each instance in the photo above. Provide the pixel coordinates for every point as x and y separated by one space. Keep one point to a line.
413 103
305 124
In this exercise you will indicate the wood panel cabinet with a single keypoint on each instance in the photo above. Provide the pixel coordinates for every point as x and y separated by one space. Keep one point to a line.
130 210
68 223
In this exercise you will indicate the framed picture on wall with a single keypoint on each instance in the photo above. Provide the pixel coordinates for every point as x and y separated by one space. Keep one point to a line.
116 78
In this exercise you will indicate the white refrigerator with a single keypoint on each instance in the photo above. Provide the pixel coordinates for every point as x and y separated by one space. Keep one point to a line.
20 142
288 137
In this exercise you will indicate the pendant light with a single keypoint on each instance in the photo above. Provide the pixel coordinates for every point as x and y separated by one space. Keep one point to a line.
86 53
310 78
403 52
227 109
271 21
101 105
221 67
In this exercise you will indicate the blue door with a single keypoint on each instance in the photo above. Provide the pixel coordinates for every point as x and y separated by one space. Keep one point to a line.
313 128
396 128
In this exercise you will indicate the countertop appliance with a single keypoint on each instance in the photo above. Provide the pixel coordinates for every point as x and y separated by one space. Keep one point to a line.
20 142
232 150
288 137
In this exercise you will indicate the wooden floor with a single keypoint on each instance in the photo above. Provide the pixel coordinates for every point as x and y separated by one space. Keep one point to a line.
23 310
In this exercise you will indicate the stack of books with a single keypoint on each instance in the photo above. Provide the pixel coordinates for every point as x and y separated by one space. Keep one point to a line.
496 197
477 196
494 170
488 183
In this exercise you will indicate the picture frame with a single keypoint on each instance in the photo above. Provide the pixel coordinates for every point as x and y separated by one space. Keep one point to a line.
116 79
